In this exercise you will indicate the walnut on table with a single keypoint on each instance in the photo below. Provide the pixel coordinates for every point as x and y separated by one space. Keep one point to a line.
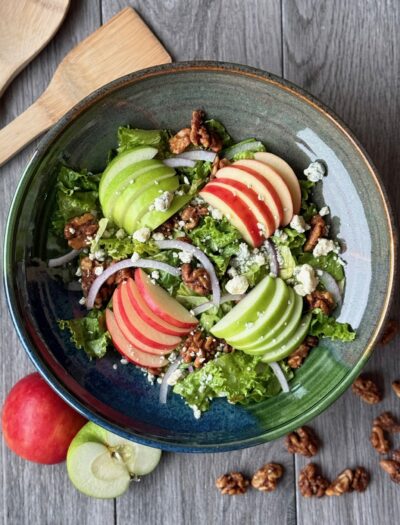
392 467
80 231
378 440
266 477
388 422
233 484
396 388
311 483
390 332
302 441
349 480
367 390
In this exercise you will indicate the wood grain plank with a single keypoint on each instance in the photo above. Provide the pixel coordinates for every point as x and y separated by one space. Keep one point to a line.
347 54
30 493
183 485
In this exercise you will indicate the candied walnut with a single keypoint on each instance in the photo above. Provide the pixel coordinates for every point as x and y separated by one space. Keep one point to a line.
266 477
396 388
80 231
311 483
179 142
201 136
342 484
360 479
298 356
390 332
122 275
367 389
168 227
302 441
318 230
388 422
217 165
392 468
197 279
89 272
199 349
323 300
191 216
232 484
396 455
378 440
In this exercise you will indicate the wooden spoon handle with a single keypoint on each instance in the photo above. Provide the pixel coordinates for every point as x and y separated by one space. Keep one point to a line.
25 128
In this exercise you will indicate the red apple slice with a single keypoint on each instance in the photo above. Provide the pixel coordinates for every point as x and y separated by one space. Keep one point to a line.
124 347
148 316
162 304
131 333
287 174
256 205
261 186
277 182
235 209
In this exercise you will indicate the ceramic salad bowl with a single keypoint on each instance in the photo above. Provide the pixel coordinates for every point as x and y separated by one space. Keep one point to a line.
248 102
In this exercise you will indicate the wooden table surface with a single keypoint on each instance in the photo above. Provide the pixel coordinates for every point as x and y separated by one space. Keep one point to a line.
347 53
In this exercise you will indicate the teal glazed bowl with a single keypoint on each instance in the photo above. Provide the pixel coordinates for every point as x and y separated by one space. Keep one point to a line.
250 103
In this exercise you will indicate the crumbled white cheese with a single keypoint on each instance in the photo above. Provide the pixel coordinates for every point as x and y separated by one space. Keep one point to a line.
232 272
306 278
196 411
158 236
324 211
215 213
98 270
315 171
237 285
262 228
323 247
120 234
155 275
142 235
123 361
163 202
179 193
185 257
71 230
281 234
82 301
135 257
100 255
299 224
259 258
115 366
78 272
174 377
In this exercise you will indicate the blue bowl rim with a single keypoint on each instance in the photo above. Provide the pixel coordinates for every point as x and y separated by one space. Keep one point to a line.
53 134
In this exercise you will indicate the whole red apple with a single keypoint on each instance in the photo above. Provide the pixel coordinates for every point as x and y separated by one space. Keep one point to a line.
37 424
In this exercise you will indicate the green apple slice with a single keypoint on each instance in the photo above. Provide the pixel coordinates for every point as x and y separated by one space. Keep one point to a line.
122 161
153 219
101 464
123 179
234 322
291 343
267 320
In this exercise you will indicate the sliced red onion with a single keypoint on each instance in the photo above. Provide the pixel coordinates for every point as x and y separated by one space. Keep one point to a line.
205 261
198 154
126 263
273 258
331 286
209 304
164 384
64 259
280 376
175 162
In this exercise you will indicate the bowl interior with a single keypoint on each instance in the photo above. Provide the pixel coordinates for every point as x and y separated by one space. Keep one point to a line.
249 103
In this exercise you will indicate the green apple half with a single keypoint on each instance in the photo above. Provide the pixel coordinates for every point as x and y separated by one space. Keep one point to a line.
101 464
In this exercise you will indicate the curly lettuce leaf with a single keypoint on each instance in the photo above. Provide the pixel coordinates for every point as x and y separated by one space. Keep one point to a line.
323 325
219 129
308 208
76 194
255 273
237 376
193 179
329 263
120 249
291 239
129 138
89 333
218 239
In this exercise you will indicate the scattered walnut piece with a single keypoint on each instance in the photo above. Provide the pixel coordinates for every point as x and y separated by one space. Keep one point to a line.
302 441
392 468
342 484
266 477
232 484
323 300
378 440
217 165
318 230
388 422
390 332
298 356
367 389
88 276
396 388
199 349
311 483
179 142
360 480
199 134
191 216
197 279
80 231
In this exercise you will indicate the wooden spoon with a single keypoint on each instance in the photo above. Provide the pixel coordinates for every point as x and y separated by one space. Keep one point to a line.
26 26
123 45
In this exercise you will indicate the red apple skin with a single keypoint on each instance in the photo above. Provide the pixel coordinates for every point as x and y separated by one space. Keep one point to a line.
37 424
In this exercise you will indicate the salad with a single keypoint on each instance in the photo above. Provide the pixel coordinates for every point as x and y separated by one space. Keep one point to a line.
202 261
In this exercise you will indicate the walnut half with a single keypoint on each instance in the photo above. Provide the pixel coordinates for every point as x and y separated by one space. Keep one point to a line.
367 389
311 482
266 477
302 441
232 484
